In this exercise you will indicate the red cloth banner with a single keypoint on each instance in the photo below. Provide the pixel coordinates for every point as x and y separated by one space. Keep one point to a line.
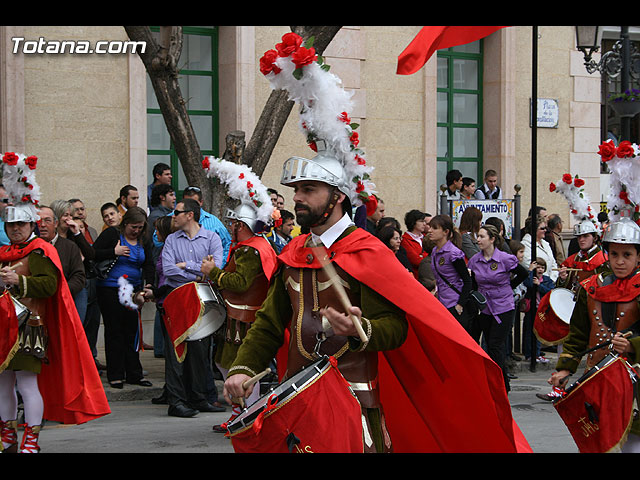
432 38
182 308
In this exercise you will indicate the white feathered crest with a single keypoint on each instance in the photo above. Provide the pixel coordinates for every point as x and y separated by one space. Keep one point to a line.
19 179
624 185
324 106
244 185
571 188
125 292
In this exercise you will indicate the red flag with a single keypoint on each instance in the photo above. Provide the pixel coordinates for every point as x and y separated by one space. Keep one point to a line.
431 38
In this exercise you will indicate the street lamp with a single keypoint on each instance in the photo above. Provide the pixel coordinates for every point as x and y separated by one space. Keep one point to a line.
622 60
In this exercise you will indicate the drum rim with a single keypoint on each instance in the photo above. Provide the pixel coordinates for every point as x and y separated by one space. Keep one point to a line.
313 371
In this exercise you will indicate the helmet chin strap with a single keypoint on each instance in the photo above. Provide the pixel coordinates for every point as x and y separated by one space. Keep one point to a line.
331 204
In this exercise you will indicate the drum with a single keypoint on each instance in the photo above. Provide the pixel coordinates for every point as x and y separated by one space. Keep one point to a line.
192 312
598 408
315 410
553 316
22 312
213 315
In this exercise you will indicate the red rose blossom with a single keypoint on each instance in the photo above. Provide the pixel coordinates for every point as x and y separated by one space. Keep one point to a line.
344 117
567 178
624 196
241 176
31 161
578 182
607 151
552 187
359 187
625 149
360 160
205 163
354 139
10 158
304 56
267 64
290 43
313 146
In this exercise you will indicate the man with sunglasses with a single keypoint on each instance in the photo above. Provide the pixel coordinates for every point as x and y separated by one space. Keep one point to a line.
210 221
188 382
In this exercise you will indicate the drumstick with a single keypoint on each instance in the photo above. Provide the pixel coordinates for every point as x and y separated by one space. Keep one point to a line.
333 277
568 269
255 378
13 267
251 381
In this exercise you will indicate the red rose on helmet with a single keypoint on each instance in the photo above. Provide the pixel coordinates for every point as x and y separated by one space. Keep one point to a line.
290 43
304 56
205 163
31 162
567 178
552 187
267 64
10 158
578 182
624 196
607 151
625 149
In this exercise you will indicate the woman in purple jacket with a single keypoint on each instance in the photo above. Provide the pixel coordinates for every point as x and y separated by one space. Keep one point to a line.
491 270
449 267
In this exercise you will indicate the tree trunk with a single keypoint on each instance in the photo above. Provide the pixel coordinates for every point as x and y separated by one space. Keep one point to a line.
161 62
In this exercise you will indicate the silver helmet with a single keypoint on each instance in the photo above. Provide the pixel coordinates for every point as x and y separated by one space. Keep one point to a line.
325 167
585 226
22 212
623 231
244 213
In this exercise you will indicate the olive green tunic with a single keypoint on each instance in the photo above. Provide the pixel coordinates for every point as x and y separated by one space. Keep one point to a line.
248 268
386 323
42 283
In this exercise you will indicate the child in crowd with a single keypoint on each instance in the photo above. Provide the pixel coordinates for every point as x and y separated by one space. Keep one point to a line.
544 285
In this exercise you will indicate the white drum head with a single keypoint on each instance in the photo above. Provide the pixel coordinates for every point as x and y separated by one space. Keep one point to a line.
562 303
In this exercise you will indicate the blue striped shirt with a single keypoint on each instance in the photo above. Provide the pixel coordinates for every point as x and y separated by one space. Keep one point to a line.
178 247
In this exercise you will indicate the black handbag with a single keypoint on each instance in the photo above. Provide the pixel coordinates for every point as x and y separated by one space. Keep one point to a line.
101 269
478 299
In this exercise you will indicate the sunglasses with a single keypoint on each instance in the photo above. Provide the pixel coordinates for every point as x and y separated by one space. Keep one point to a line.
178 212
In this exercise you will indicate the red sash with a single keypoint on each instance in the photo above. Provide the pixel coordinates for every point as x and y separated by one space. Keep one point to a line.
440 391
70 385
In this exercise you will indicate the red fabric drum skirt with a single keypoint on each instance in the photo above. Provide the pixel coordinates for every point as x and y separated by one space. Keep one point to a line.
598 408
315 411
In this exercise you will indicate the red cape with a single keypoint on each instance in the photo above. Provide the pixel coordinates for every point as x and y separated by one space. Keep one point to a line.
622 290
70 384
440 391
593 263
268 256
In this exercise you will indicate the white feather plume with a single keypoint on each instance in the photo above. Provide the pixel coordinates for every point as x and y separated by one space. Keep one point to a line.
19 179
624 180
125 293
324 103
576 197
242 184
